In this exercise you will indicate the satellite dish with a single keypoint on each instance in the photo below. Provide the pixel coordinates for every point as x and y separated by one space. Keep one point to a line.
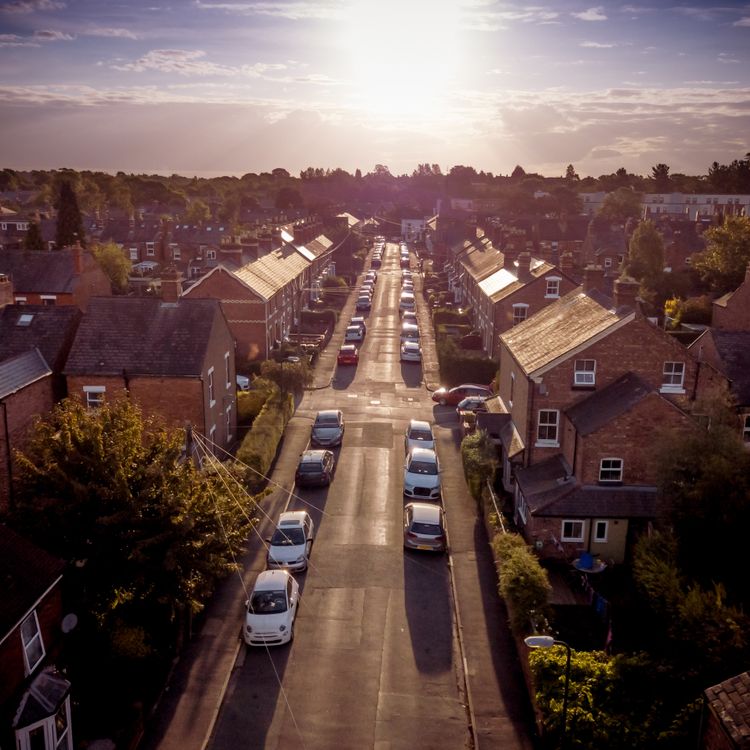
69 622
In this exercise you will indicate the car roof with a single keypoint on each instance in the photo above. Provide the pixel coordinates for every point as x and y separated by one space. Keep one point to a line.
271 580
425 512
310 455
294 517
419 424
352 328
409 326
410 345
471 385
348 347
423 454
328 413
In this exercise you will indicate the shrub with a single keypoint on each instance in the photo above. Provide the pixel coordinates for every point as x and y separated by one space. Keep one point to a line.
317 320
452 316
480 461
456 367
249 404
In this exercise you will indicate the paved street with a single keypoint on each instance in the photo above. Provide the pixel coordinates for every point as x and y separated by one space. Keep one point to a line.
378 656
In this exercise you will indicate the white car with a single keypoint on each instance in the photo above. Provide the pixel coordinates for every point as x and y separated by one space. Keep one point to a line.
354 333
409 332
243 382
419 435
411 351
422 474
291 543
271 609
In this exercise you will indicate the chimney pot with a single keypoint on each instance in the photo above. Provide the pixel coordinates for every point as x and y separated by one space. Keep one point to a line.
626 292
524 266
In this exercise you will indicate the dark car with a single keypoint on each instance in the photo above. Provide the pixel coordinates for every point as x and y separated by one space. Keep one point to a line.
328 428
315 468
451 396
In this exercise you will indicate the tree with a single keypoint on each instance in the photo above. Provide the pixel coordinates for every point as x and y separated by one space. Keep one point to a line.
288 197
198 212
621 205
724 261
114 263
69 222
518 172
646 254
571 174
33 239
660 175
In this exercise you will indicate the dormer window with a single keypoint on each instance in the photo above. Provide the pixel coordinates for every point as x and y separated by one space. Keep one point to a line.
553 287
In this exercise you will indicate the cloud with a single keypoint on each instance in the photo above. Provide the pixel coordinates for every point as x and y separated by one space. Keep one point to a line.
592 14
31 6
48 35
108 32
744 21
13 40
725 57
293 11
597 45
478 17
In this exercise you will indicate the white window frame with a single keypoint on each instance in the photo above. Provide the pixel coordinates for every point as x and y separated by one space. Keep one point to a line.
574 522
228 422
35 640
48 725
20 300
133 253
582 374
512 389
48 299
673 379
610 466
552 289
548 441
608 262
94 395
226 370
210 254
601 531
176 252
212 439
520 309
211 387
746 430
150 248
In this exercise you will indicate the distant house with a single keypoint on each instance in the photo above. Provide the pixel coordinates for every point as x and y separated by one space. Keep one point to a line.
34 696
61 277
173 356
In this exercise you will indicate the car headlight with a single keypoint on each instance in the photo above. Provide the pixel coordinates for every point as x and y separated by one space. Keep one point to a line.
248 628
282 628
300 559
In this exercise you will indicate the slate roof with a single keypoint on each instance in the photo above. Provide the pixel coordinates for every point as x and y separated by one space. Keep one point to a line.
350 220
481 258
39 272
26 572
730 702
557 330
22 370
734 349
549 489
273 271
50 330
503 282
601 407
143 336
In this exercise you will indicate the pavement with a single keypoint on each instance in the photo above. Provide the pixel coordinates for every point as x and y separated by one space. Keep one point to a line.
499 707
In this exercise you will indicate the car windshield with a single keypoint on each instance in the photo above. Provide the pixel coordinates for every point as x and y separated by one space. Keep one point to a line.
268 602
287 537
327 421
420 435
427 529
310 468
422 467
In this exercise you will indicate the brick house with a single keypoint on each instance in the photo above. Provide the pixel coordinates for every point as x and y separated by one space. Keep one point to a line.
34 344
62 277
173 356
732 310
34 697
725 722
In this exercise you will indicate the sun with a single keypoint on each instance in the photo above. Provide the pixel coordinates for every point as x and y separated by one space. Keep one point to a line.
403 57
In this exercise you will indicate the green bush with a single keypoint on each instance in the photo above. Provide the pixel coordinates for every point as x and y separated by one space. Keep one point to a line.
459 367
480 461
523 583
318 320
249 404
259 447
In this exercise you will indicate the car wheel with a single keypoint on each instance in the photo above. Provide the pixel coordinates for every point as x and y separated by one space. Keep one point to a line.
291 632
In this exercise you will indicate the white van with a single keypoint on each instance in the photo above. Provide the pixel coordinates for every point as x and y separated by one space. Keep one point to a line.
407 302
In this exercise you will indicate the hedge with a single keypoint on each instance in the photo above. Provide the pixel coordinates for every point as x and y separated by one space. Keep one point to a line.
480 461
258 449
457 367
250 403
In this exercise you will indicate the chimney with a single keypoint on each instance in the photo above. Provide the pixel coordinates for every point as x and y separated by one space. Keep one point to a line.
566 263
6 291
593 276
171 285
524 266
626 292
76 251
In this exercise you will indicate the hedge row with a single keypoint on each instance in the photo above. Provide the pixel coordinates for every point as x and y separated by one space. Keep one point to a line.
457 367
250 403
480 461
258 449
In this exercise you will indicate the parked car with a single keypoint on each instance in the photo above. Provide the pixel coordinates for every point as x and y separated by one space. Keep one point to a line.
315 468
451 396
422 474
418 435
243 382
411 351
371 276
271 609
424 527
363 303
354 333
472 404
358 320
409 331
368 287
291 543
328 428
376 261
348 355
407 302
409 316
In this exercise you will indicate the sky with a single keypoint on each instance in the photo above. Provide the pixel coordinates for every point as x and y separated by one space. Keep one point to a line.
227 87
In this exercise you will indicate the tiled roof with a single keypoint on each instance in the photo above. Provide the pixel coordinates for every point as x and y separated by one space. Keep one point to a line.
605 405
560 328
734 349
21 370
50 329
503 283
273 271
26 572
39 272
350 220
143 336
481 259
730 702
320 245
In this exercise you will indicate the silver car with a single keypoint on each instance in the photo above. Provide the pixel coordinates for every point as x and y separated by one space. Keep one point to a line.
418 435
328 428
424 527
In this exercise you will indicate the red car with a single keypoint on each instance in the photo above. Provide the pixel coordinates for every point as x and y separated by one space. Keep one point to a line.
348 355
451 396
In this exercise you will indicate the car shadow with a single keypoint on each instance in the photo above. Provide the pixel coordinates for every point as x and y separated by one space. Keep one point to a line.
428 604
343 377
411 374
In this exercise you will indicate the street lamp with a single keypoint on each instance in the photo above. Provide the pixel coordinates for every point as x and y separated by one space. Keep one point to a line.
547 641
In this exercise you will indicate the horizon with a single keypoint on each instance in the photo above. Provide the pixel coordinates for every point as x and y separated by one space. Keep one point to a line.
213 88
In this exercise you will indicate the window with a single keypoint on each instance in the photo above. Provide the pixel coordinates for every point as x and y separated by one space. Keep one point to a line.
175 251
228 425
211 391
133 253
520 313
608 262
212 438
211 254
512 388
226 370
673 377
585 372
547 430
94 395
48 299
746 429
31 638
20 300
600 531
149 248
610 470
572 531
553 286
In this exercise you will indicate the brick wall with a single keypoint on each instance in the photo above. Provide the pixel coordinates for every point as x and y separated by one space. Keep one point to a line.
736 315
714 737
